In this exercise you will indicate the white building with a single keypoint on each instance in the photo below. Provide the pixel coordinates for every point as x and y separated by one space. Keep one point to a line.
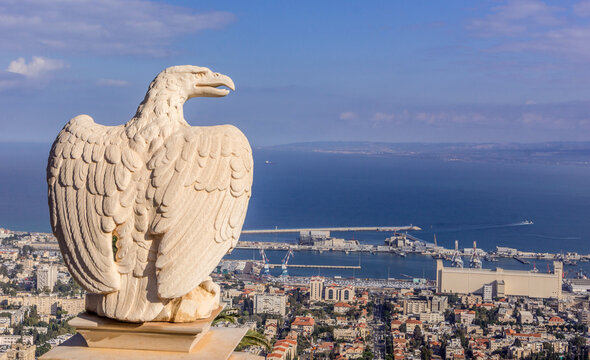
7 340
46 277
439 303
526 317
270 304
316 288
488 292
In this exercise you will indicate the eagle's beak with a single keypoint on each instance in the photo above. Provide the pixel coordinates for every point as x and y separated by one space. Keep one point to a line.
207 86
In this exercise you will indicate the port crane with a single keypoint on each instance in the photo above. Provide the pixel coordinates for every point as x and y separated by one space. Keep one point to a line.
475 261
266 271
286 262
457 260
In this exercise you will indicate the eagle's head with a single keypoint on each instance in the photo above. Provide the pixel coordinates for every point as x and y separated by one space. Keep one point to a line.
194 81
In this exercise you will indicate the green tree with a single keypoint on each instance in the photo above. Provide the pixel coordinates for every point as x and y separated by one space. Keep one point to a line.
253 338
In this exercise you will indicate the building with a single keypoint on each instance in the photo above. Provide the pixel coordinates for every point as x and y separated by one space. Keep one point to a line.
271 327
303 324
584 317
415 306
432 317
21 352
318 291
348 334
411 324
555 321
285 349
578 285
439 304
46 304
316 288
341 308
488 292
526 317
46 277
309 237
270 304
13 339
465 317
504 282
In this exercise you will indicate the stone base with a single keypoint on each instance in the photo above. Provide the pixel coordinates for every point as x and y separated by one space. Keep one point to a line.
216 344
100 332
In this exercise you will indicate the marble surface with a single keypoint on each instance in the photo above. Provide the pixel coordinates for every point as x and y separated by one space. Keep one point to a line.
217 344
100 332
144 211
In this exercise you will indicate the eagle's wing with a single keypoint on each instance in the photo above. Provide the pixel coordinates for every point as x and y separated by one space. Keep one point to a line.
201 183
90 199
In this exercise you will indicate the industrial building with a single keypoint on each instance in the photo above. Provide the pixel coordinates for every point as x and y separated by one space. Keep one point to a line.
322 239
578 285
503 282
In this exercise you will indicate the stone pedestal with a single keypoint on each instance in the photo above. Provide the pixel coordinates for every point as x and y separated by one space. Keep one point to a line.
102 338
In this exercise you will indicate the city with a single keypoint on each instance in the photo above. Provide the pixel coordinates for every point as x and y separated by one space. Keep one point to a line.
321 317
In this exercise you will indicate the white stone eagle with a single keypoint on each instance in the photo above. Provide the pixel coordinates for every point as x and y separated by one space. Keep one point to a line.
144 212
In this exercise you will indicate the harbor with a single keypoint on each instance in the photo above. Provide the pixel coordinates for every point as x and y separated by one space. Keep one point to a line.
400 243
400 255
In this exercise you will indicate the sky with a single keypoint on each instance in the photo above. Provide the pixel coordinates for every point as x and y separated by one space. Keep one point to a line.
394 71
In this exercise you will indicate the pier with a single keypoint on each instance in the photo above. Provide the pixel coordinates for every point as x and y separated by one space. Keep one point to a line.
350 267
342 229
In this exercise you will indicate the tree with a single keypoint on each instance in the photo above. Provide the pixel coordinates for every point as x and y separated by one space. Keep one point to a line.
517 342
417 338
40 350
224 316
367 355
425 353
253 338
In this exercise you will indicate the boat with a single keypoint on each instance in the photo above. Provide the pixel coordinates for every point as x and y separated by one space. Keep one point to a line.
527 222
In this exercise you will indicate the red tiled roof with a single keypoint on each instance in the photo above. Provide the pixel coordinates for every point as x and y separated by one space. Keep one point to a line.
303 321
341 304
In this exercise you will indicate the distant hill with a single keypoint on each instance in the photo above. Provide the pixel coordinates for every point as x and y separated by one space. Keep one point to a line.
573 153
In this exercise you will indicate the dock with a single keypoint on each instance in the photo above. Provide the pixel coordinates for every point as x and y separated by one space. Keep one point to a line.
521 260
336 229
350 267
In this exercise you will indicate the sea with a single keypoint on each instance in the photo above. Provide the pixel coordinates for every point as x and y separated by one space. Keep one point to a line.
467 201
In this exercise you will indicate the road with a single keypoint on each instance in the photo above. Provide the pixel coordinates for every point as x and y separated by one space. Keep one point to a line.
378 330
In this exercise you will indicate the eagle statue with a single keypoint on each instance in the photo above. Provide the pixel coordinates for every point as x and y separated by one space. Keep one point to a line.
143 212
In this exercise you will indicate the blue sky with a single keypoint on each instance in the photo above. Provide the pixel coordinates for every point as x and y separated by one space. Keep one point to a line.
405 71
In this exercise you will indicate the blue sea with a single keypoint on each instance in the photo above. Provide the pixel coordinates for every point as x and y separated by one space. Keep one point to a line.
464 201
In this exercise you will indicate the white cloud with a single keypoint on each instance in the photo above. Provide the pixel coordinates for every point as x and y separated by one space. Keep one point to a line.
582 8
534 26
517 17
112 82
38 66
381 116
349 115
100 26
